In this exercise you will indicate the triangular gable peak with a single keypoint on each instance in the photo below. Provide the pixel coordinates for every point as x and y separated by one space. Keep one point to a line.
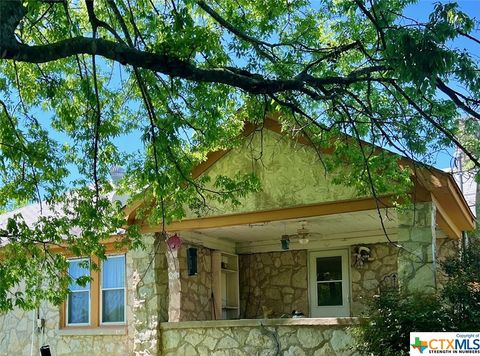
294 185
289 171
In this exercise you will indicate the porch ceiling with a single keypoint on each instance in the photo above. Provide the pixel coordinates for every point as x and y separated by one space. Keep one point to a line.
318 226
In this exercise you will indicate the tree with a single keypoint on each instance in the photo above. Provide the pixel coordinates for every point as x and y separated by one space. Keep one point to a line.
186 74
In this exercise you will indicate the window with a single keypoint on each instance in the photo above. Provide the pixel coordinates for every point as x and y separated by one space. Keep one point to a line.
113 290
78 304
100 302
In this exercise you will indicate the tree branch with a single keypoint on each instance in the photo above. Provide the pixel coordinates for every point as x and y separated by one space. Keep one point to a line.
454 96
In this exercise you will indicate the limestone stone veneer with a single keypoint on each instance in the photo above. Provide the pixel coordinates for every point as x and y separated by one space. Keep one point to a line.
300 337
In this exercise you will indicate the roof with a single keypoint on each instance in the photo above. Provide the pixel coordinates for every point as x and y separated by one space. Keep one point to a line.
455 214
32 212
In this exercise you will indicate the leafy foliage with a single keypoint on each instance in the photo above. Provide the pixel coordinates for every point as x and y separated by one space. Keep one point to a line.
462 292
394 314
154 86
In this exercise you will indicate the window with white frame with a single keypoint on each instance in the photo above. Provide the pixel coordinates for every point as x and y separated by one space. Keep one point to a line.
113 290
78 303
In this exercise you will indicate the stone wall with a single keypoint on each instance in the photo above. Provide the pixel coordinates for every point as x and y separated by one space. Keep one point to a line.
381 272
196 302
273 282
147 283
373 275
416 259
290 337
145 297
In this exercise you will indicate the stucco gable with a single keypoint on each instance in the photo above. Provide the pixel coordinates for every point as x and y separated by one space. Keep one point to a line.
290 174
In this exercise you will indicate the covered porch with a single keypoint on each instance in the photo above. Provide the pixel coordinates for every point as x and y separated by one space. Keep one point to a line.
314 273
252 259
298 259
306 261
247 284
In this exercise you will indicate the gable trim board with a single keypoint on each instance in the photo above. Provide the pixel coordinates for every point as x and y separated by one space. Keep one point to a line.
438 186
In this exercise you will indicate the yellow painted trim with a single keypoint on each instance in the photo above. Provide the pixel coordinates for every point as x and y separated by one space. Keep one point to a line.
454 206
442 186
297 212
445 222
108 243
95 295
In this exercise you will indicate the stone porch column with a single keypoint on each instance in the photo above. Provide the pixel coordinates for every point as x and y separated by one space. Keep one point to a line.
147 294
416 258
174 285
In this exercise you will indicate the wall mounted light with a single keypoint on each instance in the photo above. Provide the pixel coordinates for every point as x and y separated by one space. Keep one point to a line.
192 261
361 255
285 242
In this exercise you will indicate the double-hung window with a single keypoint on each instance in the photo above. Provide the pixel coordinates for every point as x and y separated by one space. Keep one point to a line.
102 301
78 304
113 290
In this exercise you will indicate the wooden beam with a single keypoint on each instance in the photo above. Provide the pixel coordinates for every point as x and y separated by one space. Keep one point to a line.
110 246
455 208
131 209
444 189
445 222
304 211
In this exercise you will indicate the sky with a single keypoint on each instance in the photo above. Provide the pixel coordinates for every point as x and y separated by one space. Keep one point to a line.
132 143
421 11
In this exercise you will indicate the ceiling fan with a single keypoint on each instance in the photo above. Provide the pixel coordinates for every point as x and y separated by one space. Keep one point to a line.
303 235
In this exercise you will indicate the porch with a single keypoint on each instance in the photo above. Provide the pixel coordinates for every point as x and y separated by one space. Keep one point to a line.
331 265
301 243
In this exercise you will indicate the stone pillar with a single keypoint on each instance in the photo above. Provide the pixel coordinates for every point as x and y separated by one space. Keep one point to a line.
174 286
416 257
148 294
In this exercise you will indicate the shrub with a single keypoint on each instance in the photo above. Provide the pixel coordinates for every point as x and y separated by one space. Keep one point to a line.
392 316
462 290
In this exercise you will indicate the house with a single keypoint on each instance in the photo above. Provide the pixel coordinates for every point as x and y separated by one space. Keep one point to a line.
226 283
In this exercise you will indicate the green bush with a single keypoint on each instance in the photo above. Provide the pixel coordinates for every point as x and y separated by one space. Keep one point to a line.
462 290
393 315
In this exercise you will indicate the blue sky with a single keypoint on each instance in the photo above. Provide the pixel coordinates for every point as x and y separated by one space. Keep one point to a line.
132 143
421 11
